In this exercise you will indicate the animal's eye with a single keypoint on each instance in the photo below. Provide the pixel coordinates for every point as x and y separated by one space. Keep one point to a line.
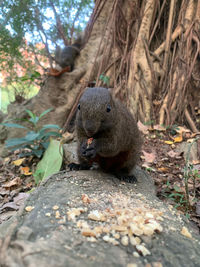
79 107
108 108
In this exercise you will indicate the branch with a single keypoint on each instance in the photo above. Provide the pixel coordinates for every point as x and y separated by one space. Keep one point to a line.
75 18
36 58
59 26
45 42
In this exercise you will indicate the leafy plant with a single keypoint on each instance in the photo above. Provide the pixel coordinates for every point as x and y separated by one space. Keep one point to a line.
176 194
172 129
36 139
105 79
190 173
148 123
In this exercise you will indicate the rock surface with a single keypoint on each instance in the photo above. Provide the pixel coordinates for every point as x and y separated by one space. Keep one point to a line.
46 236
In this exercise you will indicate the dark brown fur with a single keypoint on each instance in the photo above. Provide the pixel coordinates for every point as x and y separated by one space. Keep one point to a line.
117 140
66 57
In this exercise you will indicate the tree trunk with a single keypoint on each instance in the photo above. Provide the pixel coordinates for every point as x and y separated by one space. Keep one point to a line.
149 50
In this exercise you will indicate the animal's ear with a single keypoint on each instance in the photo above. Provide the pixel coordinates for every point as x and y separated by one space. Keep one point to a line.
111 93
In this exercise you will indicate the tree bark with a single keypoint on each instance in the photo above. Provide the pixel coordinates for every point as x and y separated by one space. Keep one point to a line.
152 66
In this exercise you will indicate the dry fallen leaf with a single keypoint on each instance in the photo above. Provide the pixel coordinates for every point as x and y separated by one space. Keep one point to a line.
7 159
18 162
143 128
168 142
173 154
181 129
163 169
149 157
25 170
10 206
178 139
15 182
159 127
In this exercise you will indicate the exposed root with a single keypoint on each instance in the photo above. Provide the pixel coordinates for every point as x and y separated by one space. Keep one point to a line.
190 121
147 59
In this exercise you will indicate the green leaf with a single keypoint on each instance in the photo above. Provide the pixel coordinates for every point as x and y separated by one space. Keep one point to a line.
50 163
34 120
177 188
38 153
14 125
30 113
49 126
31 136
38 175
45 112
15 142
43 135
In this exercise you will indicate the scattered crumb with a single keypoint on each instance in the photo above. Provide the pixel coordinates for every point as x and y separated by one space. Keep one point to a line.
111 240
92 239
85 199
143 250
88 232
123 222
73 213
63 220
125 240
136 254
185 232
96 216
57 215
29 208
55 207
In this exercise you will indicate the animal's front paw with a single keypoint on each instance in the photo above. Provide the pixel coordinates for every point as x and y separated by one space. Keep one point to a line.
77 167
127 178
74 166
88 148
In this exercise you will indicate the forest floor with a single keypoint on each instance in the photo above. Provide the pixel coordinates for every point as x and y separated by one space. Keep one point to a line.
171 156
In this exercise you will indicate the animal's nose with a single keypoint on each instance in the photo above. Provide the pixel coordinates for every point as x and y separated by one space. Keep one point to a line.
90 128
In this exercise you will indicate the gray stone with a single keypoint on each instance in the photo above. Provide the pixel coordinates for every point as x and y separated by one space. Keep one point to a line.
37 238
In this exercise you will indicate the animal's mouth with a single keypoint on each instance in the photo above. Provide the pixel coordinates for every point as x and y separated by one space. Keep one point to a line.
90 133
